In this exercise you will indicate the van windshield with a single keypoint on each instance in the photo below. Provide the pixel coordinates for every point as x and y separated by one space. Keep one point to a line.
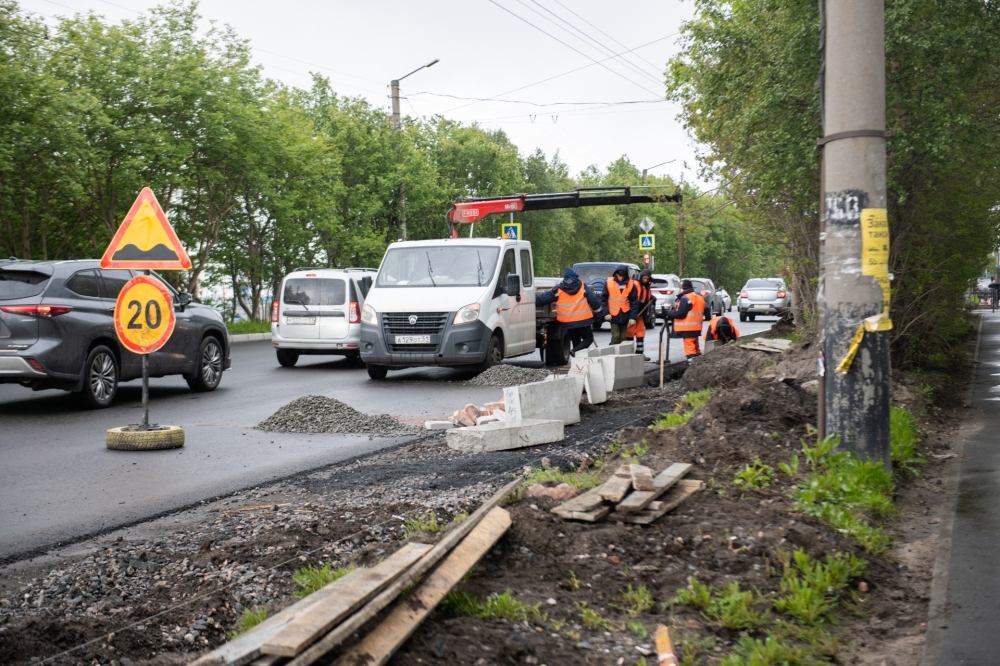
450 266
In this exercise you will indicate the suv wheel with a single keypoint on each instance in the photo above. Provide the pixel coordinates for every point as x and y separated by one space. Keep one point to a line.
287 358
377 371
100 378
209 366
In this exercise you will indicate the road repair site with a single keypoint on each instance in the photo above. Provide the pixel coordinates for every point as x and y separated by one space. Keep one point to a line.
559 573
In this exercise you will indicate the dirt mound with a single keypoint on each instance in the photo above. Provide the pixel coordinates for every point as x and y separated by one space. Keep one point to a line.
795 366
508 375
319 414
729 365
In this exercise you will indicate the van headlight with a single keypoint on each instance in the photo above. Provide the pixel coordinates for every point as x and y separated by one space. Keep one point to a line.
368 315
468 314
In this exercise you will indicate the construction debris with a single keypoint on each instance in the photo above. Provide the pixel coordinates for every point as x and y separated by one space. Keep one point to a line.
772 345
320 414
505 374
638 507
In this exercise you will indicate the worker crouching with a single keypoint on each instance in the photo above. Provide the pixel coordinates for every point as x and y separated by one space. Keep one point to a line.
722 330
645 317
688 316
619 303
574 305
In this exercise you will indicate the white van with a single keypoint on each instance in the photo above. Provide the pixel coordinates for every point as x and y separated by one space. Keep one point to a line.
451 302
319 312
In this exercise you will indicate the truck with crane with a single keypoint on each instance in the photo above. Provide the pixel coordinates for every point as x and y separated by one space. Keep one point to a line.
470 302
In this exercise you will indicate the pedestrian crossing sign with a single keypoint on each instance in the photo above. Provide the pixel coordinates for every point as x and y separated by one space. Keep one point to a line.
647 241
512 230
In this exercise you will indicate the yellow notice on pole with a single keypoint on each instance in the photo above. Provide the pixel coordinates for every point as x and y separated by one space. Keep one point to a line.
875 248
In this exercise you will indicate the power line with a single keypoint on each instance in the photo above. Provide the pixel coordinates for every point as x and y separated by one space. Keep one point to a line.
601 31
521 101
573 48
598 43
566 73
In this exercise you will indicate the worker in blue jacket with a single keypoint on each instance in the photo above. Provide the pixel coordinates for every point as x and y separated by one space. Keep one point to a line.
574 308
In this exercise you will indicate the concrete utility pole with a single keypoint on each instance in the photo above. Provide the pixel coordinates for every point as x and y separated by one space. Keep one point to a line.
854 232
397 124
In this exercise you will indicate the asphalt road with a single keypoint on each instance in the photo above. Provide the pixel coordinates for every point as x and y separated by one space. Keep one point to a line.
59 482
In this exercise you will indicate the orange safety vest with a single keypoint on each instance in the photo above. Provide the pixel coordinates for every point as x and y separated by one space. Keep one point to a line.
643 293
618 297
711 334
572 307
695 317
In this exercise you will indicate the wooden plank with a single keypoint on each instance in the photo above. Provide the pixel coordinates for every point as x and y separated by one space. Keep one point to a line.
310 625
377 647
615 488
387 596
664 647
586 501
592 516
642 478
680 492
639 500
267 660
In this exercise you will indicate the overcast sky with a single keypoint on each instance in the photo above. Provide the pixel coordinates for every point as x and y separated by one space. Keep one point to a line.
487 49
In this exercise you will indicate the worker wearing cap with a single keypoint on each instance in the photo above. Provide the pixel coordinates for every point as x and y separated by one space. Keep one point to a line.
619 303
645 302
722 330
574 308
688 316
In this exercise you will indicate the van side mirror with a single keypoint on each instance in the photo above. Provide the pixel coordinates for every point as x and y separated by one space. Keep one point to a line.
514 286
183 300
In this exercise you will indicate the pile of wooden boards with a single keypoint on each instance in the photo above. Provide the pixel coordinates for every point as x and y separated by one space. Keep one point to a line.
649 499
311 628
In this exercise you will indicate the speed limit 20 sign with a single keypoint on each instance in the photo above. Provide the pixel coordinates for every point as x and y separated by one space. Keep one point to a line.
144 315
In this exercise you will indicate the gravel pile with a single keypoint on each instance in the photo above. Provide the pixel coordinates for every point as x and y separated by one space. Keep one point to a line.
508 375
317 413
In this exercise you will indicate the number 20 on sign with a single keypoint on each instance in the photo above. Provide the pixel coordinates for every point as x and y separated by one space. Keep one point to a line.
144 315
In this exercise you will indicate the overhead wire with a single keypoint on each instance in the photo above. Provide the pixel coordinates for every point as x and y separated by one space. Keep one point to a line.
521 101
637 55
606 50
572 48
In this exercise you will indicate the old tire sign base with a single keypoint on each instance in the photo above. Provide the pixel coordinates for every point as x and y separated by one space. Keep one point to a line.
144 321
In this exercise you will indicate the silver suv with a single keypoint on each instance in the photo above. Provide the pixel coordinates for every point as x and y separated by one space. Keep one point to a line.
319 312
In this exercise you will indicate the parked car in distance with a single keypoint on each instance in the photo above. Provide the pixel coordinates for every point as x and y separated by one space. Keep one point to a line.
57 332
727 300
319 312
595 274
764 296
666 288
713 301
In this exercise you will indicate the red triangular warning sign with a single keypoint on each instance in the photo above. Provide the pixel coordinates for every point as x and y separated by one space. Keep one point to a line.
145 239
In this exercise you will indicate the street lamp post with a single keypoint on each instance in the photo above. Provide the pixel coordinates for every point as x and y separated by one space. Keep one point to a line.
397 125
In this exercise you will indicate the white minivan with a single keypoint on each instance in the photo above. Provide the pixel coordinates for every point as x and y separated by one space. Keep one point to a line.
453 302
319 312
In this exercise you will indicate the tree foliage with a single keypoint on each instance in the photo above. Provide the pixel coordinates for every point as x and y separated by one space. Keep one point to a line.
259 178
746 79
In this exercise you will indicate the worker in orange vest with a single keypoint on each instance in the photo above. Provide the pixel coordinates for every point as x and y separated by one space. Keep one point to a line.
688 316
646 304
722 330
574 308
618 301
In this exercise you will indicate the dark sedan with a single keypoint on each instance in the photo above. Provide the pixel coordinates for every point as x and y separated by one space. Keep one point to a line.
57 331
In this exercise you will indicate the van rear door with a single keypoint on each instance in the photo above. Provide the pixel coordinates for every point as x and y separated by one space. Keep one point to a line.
333 309
300 300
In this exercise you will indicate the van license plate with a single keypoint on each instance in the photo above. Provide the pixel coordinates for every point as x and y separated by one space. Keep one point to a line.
308 321
413 339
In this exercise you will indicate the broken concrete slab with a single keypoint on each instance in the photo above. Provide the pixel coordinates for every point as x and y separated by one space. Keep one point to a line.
501 437
438 425
552 399
594 383
629 371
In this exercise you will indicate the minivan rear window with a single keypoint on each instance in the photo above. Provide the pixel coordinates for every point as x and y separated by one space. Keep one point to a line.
314 291
21 284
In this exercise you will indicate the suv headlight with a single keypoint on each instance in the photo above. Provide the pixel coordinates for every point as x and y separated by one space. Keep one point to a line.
368 315
468 314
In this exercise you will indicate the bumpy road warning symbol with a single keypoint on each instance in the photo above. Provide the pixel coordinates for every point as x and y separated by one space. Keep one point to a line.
144 315
145 240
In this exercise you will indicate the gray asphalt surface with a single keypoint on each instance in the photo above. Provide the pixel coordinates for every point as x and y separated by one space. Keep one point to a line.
58 481
970 635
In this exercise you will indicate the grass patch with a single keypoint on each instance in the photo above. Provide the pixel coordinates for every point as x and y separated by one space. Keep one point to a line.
593 619
428 524
638 630
851 495
459 517
685 409
729 607
310 578
239 327
574 583
250 619
809 587
754 476
635 601
631 455
579 480
496 606
904 434
693 646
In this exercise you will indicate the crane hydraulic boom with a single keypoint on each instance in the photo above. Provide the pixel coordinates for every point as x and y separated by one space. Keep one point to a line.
468 211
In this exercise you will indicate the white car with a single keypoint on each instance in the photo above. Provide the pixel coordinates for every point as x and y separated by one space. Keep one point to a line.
319 312
666 288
